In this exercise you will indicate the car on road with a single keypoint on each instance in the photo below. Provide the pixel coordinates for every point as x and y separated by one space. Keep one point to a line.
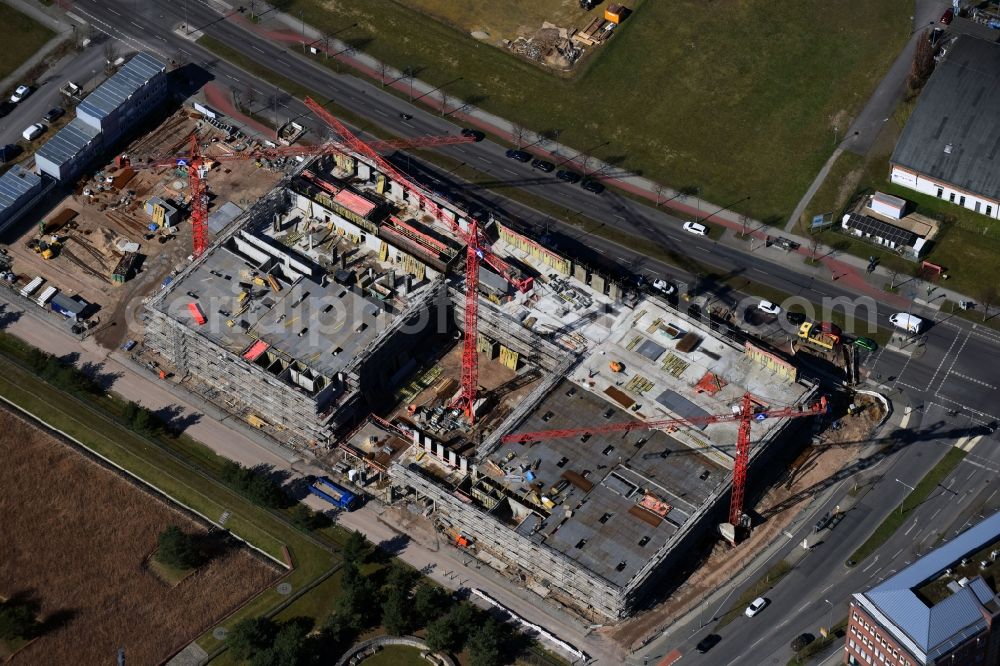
20 93
865 343
32 132
707 643
795 318
800 642
474 133
664 287
769 307
592 186
129 345
907 322
567 176
947 17
518 155
696 228
756 606
54 114
542 165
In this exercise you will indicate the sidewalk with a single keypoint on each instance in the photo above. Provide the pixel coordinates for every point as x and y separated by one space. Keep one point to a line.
50 18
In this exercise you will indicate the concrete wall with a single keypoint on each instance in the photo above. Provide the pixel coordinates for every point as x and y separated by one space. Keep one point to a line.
568 582
925 185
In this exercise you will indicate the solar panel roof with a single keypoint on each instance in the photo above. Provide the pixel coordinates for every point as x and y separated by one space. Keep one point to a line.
879 229
15 184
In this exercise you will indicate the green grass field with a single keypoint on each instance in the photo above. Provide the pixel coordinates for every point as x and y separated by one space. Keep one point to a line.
24 36
395 655
739 97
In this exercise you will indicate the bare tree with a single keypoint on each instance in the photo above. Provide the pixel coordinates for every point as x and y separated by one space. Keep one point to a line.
923 62
660 190
814 247
893 276
519 133
249 97
445 99
383 69
110 54
689 191
987 294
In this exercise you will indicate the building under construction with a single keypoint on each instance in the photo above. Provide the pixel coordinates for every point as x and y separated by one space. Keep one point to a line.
334 301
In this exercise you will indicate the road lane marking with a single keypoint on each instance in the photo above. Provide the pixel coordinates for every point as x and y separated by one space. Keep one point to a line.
870 565
408 124
113 11
258 50
973 380
380 112
136 24
510 171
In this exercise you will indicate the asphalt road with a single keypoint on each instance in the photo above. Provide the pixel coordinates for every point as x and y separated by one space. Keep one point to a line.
82 68
799 603
952 372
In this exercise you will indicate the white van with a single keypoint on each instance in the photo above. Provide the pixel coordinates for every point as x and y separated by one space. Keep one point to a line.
33 132
907 322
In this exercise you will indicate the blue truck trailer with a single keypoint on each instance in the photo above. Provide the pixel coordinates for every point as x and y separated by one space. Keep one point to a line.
334 494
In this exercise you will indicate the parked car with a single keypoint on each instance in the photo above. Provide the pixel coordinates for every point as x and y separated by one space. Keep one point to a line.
129 345
542 165
707 643
54 114
592 186
518 155
948 15
795 318
475 134
20 93
567 176
664 287
769 307
9 152
32 132
865 343
756 606
696 228
801 641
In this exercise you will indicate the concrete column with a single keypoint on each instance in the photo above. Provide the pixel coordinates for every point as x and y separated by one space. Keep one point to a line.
440 451
452 459
597 283
580 273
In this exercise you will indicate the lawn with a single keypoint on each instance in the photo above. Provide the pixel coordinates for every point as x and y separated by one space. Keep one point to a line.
731 96
24 37
910 503
395 655
76 538
505 20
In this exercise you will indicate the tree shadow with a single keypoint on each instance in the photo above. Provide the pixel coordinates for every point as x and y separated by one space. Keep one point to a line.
387 549
103 380
216 543
175 420
9 317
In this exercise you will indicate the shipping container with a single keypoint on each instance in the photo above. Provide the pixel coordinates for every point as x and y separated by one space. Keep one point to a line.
49 292
32 286
334 494
197 313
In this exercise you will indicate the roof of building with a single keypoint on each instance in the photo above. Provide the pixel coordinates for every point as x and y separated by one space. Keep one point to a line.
880 229
67 304
16 183
68 142
935 628
953 134
136 73
220 218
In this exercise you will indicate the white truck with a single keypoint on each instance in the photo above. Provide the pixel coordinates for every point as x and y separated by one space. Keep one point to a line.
907 322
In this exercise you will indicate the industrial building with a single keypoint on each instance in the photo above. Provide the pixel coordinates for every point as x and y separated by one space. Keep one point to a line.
104 116
333 302
950 144
18 187
939 610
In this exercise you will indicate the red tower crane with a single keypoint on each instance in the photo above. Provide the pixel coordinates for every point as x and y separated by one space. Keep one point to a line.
748 412
194 160
477 250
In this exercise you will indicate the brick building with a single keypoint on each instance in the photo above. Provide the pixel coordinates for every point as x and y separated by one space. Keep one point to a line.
939 610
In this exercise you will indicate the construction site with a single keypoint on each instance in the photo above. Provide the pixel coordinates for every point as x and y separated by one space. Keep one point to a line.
581 441
117 236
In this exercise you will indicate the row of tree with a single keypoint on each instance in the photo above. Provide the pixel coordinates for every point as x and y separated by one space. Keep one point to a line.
253 484
63 375
392 596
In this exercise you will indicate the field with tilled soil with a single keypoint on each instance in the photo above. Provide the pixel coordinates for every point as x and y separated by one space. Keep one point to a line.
77 536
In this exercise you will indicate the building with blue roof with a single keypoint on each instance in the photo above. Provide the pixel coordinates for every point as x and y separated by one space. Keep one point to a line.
17 187
104 116
938 610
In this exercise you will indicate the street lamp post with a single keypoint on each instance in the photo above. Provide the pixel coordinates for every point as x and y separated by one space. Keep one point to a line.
829 620
904 499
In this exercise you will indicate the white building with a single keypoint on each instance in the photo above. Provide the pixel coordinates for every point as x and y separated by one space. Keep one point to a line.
950 147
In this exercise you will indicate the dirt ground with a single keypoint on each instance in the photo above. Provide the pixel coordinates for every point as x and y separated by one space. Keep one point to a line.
500 385
780 506
76 536
504 20
93 224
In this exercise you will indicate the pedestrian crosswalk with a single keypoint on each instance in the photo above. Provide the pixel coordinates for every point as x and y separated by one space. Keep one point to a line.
966 443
